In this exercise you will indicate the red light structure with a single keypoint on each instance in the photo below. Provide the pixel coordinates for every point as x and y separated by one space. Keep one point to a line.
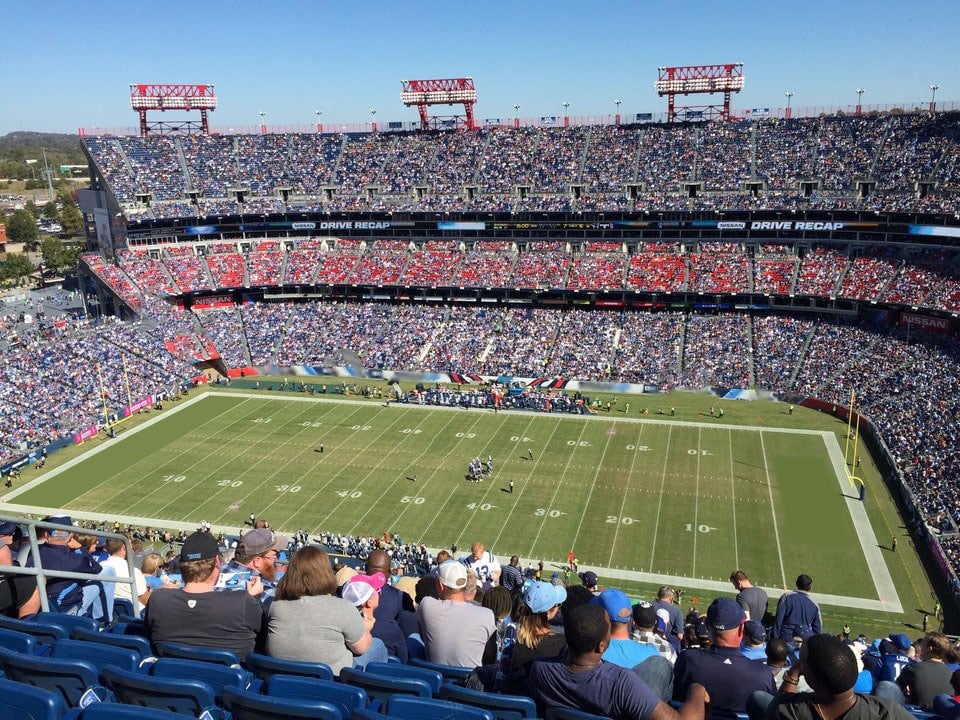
182 98
451 91
700 79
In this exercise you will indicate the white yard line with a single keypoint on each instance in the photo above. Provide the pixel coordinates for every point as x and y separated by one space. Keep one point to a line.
882 581
663 484
773 510
733 499
626 494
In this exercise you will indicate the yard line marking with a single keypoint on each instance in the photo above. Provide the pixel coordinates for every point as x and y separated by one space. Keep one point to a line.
586 504
696 500
626 493
663 484
773 510
733 498
883 582
526 484
553 498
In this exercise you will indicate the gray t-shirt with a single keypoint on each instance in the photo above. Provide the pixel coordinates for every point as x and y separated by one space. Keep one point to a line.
455 633
316 628
754 601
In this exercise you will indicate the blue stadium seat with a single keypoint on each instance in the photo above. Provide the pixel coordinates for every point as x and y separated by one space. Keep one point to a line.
264 667
23 702
138 644
118 711
432 678
450 673
503 707
369 714
570 714
291 687
380 688
18 641
216 676
123 608
192 652
98 654
422 709
69 678
185 697
67 622
133 627
43 633
246 705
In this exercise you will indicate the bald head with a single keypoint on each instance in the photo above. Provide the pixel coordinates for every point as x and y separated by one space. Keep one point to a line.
378 562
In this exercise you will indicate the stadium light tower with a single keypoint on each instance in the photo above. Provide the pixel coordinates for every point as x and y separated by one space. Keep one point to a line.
566 117
263 124
448 91
373 123
788 114
700 79
618 102
860 92
933 98
516 115
319 113
183 98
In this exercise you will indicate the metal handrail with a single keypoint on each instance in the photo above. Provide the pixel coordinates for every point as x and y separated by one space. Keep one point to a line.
42 575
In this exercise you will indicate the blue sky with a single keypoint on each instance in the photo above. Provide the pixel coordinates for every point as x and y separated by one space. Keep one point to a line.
66 64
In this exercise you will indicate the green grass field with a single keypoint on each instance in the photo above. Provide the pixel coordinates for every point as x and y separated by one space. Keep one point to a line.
640 499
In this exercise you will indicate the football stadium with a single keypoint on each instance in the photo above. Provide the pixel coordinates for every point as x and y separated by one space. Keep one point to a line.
671 358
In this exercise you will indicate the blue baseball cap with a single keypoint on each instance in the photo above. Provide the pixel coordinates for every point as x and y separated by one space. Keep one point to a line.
901 641
8 528
541 596
725 614
616 603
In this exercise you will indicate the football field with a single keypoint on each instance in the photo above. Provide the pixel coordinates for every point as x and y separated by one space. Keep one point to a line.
640 498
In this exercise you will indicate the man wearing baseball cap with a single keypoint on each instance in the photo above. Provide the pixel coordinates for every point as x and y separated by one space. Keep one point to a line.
645 624
198 615
728 676
454 631
256 554
589 580
363 592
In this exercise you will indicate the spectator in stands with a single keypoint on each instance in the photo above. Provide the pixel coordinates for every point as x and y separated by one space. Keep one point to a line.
778 660
393 607
919 683
535 637
752 599
798 615
484 564
831 670
257 553
511 577
307 622
363 592
454 631
117 560
668 611
198 615
61 551
645 625
754 645
589 580
19 594
585 681
728 676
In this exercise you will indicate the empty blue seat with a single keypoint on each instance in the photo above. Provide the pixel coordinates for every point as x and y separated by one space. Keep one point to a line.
432 678
264 667
382 687
192 652
369 714
185 697
450 673
24 702
503 707
412 708
216 676
98 654
70 678
43 633
246 705
291 687
138 644
570 714
67 622
18 641
116 711
133 627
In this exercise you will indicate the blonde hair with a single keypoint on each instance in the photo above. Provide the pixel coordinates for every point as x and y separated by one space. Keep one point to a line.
151 563
531 627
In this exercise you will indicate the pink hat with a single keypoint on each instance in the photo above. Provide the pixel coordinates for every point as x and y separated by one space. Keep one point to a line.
360 588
